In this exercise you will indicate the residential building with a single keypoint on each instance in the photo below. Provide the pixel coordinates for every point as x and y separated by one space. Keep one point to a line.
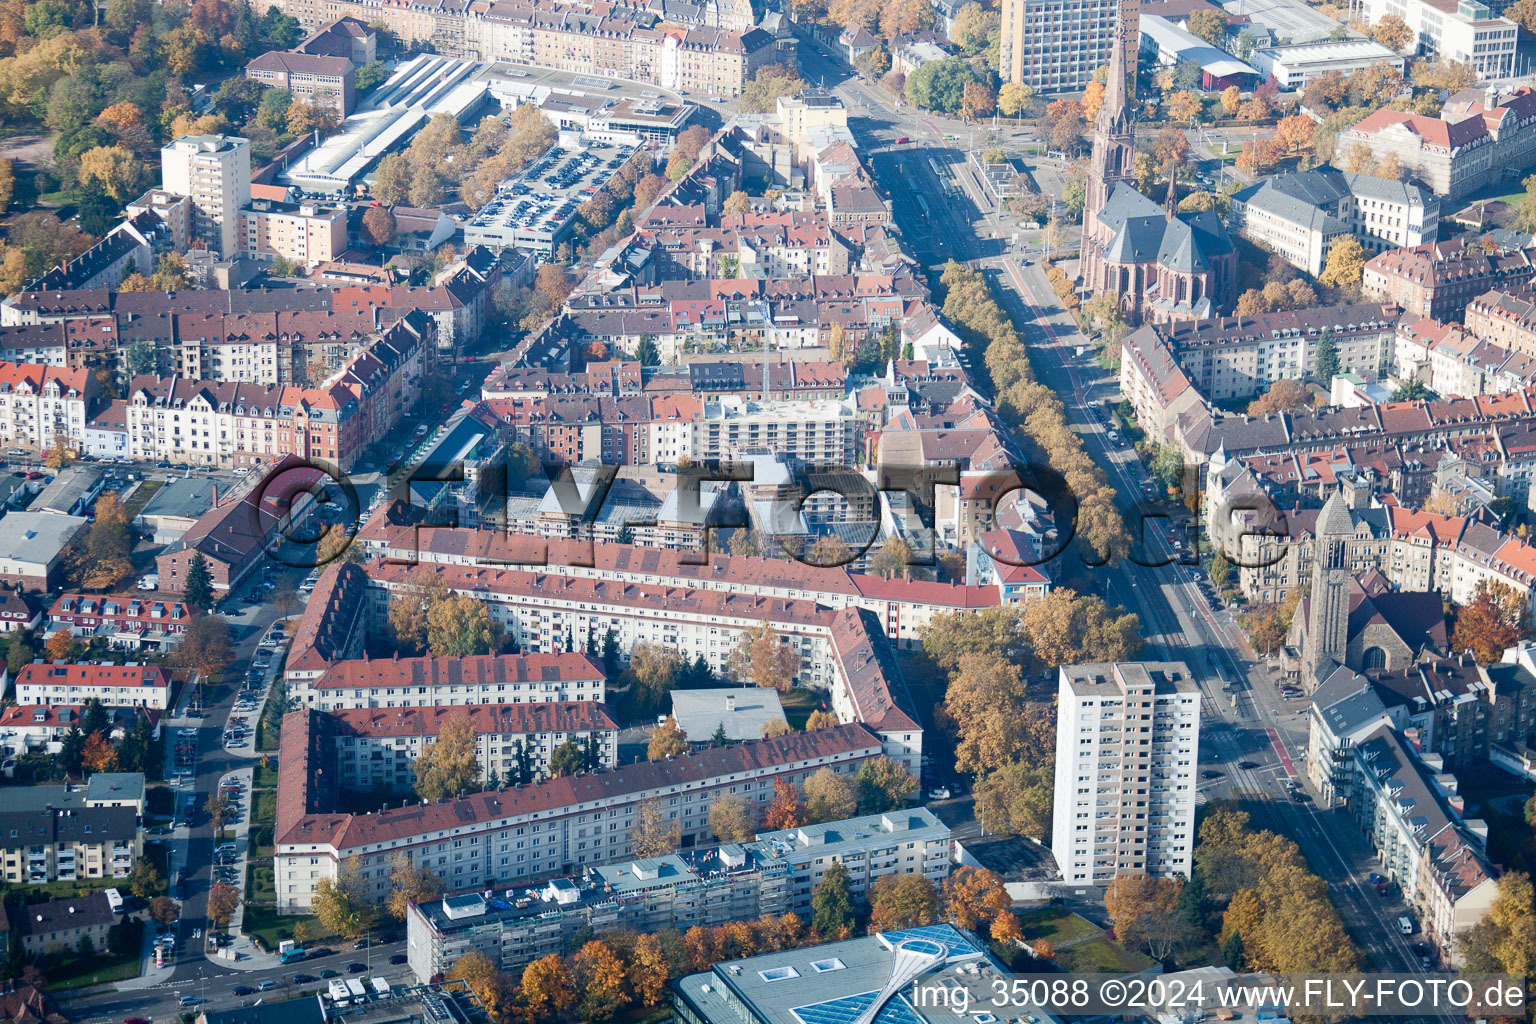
344 37
39 928
305 234
1412 815
1299 216
54 834
1055 48
42 727
513 835
452 682
44 407
376 747
1461 31
908 841
1127 739
1439 280
773 875
704 887
324 82
118 686
214 171
233 537
136 623
1506 316
32 546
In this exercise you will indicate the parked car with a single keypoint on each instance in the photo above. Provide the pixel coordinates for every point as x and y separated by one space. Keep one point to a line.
398 959
243 990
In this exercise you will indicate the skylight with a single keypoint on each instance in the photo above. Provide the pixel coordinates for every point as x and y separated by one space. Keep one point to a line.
778 973
823 966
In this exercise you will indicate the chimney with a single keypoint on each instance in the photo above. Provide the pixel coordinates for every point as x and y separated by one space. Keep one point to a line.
730 702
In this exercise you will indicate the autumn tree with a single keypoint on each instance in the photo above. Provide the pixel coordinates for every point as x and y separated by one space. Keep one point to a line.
973 895
776 727
379 225
1016 798
655 834
785 809
342 905
164 911
1184 105
485 979
1493 621
204 647
1346 263
667 740
1284 396
1006 929
1231 99
459 625
223 900
409 884
730 819
977 101
649 970
652 672
737 202
97 755
549 992
60 645
450 766
892 559
599 978
1392 32
995 724
902 901
883 785
764 657
409 605
820 719
1210 25
829 796
114 168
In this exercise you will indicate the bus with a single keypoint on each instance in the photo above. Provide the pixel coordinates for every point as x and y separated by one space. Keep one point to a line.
292 956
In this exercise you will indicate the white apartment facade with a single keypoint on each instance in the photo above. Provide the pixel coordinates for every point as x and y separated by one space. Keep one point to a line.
1056 47
815 432
214 171
44 406
125 686
1127 748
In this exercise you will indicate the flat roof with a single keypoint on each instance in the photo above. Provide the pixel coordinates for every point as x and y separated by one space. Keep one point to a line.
743 711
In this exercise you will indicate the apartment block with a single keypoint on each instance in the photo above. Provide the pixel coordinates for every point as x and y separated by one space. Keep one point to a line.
1127 741
306 234
54 834
126 686
773 875
515 835
214 171
1056 47
515 927
43 407
378 746
452 682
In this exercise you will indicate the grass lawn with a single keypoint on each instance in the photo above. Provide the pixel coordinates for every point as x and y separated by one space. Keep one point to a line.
60 890
265 808
798 705
265 777
266 739
1100 956
271 928
261 841
259 885
96 969
1058 926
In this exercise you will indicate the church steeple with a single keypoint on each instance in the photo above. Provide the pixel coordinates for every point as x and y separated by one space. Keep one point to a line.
1327 638
1171 204
1114 141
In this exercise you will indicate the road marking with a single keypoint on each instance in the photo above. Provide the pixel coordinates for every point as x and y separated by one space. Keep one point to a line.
1279 745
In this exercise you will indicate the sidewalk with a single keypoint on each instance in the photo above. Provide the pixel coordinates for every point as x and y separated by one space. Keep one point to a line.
241 954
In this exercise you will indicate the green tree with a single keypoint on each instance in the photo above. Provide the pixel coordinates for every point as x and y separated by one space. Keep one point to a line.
566 760
832 903
1327 359
940 84
646 351
884 785
197 588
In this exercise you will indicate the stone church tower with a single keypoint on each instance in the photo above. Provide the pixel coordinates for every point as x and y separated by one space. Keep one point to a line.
1327 637
1114 140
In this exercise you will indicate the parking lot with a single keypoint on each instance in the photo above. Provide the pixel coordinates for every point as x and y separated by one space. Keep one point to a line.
536 209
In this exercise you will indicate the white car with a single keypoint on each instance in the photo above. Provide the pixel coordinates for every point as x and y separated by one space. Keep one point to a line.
939 793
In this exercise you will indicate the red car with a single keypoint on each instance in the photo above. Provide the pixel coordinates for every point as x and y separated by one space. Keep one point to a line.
137 1020
901 140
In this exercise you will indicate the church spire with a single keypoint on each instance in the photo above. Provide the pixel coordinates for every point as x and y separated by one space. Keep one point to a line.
1114 112
1171 205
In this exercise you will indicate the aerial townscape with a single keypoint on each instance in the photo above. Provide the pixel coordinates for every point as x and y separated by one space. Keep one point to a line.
623 511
